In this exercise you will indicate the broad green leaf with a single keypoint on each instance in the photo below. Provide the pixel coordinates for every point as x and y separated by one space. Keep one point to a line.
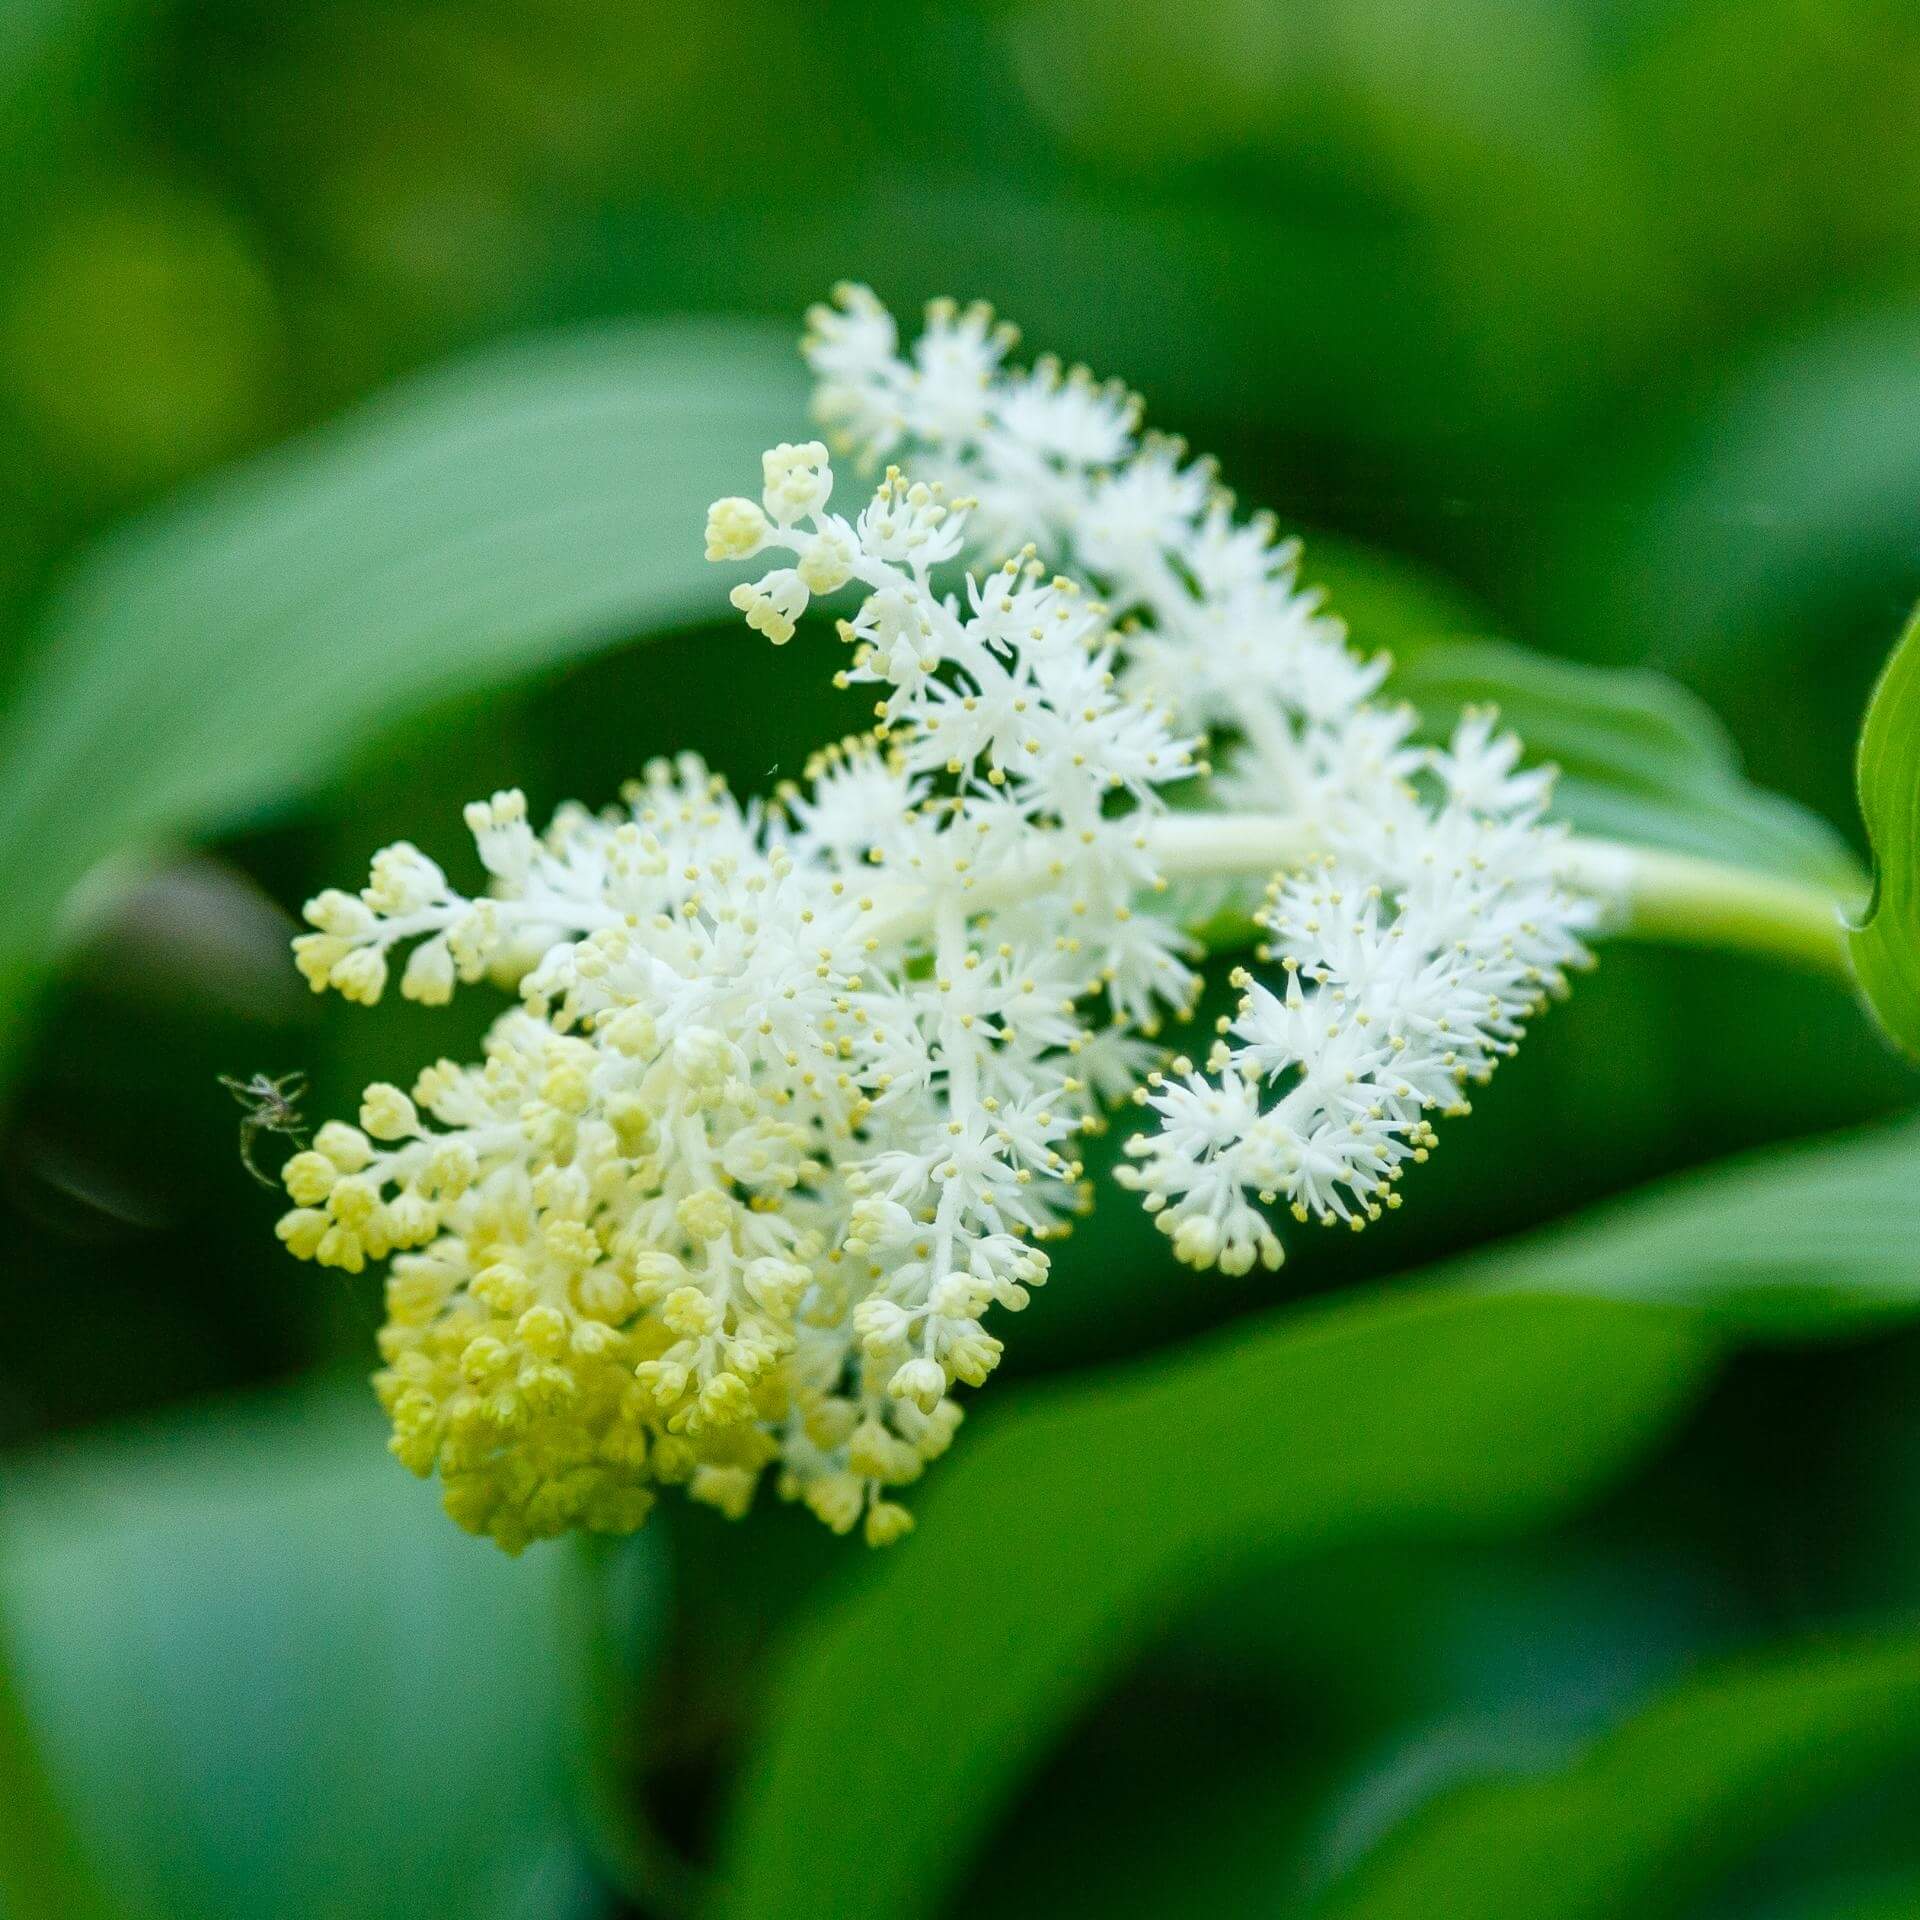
256 1657
1802 1241
1879 1897
473 526
1118 1500
58 60
45 1870
1388 605
1641 759
1886 945
1082 1521
1644 1814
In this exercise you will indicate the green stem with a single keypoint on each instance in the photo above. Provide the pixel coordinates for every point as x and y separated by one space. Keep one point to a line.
1687 901
1649 894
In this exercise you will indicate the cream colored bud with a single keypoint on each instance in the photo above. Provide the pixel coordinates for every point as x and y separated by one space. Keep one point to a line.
736 529
347 1147
706 1214
361 975
308 1178
429 975
887 1521
387 1114
826 561
798 480
922 1381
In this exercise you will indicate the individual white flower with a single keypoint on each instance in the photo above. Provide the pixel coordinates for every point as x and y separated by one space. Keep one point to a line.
797 481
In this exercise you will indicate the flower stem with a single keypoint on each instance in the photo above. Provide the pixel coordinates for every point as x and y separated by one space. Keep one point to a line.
1651 894
1682 899
1648 893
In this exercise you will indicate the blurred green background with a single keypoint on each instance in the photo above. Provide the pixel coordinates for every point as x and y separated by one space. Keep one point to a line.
1594 323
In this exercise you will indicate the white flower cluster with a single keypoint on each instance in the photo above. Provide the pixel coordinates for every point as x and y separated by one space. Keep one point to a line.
1432 921
791 1098
791 1095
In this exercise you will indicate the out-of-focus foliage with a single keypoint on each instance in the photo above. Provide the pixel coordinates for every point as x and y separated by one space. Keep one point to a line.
1120 1500
1096 1510
1655 1807
255 1608
1886 946
492 521
1598 316
1803 1242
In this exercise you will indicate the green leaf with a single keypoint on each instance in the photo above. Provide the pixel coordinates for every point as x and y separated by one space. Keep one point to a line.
1886 945
1805 1241
475 525
58 60
1083 1520
1388 605
1641 759
1119 1500
1880 1897
1646 1812
45 1870
256 1657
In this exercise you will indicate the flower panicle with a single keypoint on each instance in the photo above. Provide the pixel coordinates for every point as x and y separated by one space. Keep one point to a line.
789 1104
1433 923
787 1109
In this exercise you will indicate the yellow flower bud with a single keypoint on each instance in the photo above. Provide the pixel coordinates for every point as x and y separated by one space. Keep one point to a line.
835 1499
543 1329
361 975
729 1489
736 529
308 1177
688 1312
887 1521
347 1147
387 1114
302 1231
706 1214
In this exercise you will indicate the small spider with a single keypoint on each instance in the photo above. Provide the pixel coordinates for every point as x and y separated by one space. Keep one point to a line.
272 1106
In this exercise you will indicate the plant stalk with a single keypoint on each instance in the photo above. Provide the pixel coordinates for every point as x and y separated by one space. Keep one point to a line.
1684 900
1647 892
